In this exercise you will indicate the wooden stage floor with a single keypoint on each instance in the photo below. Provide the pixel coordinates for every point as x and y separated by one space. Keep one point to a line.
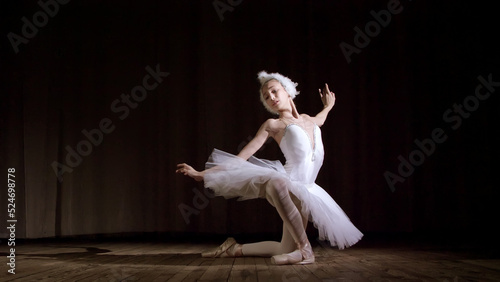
132 260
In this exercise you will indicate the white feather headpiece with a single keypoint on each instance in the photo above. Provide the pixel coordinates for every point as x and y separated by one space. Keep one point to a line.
287 83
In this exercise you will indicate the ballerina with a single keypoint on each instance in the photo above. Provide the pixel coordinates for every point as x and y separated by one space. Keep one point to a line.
291 188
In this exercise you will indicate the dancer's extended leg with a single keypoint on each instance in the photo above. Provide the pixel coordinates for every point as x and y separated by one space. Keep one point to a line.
271 248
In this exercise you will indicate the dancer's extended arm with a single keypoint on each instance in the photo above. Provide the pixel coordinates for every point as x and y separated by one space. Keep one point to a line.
188 170
250 149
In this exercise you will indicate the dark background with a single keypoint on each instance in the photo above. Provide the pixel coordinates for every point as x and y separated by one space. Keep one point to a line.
394 91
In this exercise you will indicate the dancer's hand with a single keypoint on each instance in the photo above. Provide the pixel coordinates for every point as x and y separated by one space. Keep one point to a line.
189 171
327 97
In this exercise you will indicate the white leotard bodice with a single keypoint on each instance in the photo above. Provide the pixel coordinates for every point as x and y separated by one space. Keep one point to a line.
304 156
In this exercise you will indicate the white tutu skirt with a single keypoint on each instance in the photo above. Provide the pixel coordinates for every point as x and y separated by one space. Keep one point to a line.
233 177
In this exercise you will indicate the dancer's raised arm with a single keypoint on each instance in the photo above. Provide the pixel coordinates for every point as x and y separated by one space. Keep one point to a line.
328 99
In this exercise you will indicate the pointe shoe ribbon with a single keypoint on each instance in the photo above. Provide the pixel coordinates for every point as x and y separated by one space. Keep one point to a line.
217 252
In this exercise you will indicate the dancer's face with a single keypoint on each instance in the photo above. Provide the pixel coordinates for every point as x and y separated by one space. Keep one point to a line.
275 95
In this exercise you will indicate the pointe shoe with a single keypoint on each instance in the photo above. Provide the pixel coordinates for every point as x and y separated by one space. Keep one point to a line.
290 258
307 254
303 255
221 250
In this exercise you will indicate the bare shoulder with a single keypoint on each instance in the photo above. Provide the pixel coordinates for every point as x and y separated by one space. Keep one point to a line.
310 119
307 117
273 125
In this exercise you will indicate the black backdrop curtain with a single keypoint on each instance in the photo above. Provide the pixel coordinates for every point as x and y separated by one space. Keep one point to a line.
113 94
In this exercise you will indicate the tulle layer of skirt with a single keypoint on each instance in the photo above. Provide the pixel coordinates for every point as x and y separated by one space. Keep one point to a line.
233 177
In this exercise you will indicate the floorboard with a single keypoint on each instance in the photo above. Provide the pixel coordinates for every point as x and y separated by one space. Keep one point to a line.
371 260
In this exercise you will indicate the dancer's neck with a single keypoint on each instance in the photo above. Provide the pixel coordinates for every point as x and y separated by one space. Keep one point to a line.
290 113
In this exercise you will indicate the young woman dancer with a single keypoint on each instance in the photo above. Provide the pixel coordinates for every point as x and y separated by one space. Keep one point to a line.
291 188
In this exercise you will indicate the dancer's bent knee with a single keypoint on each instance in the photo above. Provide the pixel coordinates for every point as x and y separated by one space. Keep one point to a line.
277 188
